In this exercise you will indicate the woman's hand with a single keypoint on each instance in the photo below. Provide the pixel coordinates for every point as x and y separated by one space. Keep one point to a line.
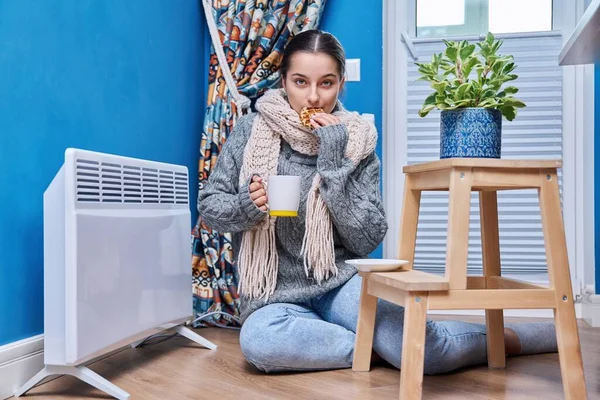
258 194
322 119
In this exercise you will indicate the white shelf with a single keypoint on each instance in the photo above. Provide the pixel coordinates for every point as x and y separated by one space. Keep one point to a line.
583 47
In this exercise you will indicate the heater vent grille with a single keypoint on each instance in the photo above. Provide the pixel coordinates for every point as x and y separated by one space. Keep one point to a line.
110 182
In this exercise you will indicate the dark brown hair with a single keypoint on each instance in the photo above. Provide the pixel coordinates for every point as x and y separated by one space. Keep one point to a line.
314 41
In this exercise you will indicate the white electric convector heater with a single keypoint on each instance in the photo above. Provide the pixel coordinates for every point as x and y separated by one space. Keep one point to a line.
117 261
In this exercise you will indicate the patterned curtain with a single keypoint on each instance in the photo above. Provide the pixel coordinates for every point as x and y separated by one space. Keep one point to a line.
248 39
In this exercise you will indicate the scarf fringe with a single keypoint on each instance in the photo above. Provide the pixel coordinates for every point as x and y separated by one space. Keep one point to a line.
317 245
260 260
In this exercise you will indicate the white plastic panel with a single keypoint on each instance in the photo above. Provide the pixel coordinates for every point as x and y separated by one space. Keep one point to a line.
132 274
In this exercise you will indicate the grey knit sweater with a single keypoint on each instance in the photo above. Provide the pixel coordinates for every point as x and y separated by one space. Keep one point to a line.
350 192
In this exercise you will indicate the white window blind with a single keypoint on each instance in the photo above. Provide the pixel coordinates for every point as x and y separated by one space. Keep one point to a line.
536 133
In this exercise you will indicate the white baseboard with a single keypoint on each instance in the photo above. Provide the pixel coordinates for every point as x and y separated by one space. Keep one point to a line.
19 361
591 310
513 313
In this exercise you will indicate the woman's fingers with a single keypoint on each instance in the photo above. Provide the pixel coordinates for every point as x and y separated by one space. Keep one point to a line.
331 119
254 195
319 119
325 119
261 201
254 186
258 194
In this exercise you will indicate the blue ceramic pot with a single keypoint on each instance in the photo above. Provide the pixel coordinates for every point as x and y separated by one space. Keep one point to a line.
471 132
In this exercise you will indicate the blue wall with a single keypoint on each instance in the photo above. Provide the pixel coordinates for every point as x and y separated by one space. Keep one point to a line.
359 29
124 77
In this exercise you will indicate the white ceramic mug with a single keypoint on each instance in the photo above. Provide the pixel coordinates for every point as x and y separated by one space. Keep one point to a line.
283 192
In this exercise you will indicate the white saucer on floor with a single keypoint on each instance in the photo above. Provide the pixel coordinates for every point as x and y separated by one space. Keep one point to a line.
376 264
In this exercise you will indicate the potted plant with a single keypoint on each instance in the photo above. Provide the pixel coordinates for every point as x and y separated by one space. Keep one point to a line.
469 83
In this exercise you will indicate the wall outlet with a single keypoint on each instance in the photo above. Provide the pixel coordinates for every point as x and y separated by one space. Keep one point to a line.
353 70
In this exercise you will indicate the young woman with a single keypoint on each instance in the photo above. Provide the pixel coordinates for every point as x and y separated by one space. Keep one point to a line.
299 298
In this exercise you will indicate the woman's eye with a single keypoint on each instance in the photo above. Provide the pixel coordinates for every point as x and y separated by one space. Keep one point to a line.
300 82
327 83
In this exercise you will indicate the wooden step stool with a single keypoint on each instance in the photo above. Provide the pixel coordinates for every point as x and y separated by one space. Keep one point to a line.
419 291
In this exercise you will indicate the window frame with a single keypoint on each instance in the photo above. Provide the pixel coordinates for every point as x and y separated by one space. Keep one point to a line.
483 25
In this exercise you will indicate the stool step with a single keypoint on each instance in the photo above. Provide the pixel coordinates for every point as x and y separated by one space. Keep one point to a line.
410 280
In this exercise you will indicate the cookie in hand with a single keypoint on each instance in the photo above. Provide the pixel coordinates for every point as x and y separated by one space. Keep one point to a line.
308 112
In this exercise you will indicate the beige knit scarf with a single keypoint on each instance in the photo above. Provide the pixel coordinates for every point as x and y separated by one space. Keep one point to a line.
258 259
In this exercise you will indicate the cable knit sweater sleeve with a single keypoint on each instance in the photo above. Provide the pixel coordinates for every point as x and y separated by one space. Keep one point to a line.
351 192
222 204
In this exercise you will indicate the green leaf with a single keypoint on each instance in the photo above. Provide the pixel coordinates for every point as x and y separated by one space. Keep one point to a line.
488 93
496 46
426 109
467 51
495 83
497 66
449 43
430 99
440 87
511 90
509 112
490 60
485 51
479 69
425 71
451 53
489 38
433 60
498 81
508 68
511 101
462 103
469 65
489 103
462 90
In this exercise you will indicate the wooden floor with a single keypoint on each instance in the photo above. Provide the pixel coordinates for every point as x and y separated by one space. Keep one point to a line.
180 369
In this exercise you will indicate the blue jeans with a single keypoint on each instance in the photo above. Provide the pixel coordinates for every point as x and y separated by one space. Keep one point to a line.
319 335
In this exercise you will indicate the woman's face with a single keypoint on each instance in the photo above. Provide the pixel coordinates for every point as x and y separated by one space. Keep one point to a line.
313 80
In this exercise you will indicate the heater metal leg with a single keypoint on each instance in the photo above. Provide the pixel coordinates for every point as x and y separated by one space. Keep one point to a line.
136 344
81 372
188 333
194 337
